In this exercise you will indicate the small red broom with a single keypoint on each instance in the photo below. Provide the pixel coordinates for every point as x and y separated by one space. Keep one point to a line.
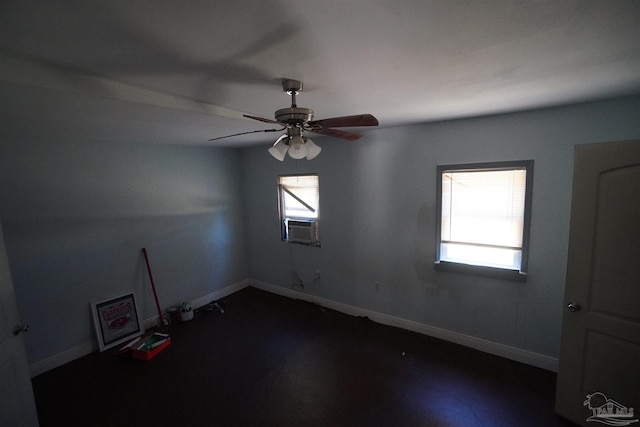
161 320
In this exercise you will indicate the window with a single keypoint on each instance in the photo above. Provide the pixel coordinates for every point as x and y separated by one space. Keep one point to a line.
483 218
299 198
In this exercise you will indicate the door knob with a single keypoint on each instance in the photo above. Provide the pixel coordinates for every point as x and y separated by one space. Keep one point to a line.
573 307
20 328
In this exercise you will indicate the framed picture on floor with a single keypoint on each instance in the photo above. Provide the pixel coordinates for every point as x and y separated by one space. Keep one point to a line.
116 320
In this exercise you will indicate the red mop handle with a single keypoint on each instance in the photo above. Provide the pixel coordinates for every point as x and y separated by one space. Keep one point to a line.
153 287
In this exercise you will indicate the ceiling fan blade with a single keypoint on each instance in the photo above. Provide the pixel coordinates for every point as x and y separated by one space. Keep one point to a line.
246 133
261 119
349 136
346 121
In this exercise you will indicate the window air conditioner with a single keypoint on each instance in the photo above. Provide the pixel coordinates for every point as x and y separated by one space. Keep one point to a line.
302 232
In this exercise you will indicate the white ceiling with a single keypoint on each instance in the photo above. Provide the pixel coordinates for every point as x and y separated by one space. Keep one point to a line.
185 71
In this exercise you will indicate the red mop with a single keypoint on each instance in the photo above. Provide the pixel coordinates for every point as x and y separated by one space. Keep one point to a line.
161 319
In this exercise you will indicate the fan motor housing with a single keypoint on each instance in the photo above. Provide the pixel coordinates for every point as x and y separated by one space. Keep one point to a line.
294 115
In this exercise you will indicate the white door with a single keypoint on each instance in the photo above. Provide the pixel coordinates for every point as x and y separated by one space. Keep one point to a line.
599 376
17 407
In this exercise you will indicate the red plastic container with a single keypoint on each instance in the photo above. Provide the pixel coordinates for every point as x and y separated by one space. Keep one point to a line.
149 353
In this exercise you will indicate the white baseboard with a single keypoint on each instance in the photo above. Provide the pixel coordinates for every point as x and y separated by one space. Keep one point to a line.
220 293
202 301
70 355
508 352
60 359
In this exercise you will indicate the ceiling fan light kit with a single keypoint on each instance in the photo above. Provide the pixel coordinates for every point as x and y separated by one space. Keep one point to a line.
296 119
296 145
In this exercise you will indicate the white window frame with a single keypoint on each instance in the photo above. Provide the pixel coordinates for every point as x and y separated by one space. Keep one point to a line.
305 204
518 271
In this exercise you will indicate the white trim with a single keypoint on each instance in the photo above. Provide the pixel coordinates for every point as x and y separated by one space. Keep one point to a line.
152 321
508 352
220 293
60 359
77 352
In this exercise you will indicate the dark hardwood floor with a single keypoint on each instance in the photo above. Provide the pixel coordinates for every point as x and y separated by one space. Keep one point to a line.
273 361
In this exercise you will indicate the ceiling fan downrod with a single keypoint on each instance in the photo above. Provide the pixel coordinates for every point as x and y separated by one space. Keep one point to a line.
293 116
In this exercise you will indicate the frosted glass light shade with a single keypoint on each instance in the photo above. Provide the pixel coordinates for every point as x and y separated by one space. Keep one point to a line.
312 149
279 148
297 148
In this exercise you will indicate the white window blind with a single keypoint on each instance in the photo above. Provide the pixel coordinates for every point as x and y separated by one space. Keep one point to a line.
300 196
483 216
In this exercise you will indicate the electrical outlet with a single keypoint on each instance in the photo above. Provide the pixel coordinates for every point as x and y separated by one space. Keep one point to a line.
377 286
316 275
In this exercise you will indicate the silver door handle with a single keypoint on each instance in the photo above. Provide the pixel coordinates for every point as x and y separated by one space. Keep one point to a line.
20 328
573 307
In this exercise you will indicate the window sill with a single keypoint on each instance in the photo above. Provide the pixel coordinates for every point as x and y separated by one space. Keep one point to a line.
311 244
476 270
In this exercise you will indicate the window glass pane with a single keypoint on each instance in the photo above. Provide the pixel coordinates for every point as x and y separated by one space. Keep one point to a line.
481 255
483 207
300 196
482 214
293 207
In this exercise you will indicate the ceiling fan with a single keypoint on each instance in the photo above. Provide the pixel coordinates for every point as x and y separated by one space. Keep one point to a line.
297 120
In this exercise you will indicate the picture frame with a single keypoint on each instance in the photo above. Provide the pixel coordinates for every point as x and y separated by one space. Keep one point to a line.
116 320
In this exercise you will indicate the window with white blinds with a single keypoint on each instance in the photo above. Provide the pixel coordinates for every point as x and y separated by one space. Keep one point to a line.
299 199
299 196
484 214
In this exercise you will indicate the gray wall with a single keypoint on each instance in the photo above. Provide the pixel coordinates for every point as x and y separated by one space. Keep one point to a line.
76 215
377 211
